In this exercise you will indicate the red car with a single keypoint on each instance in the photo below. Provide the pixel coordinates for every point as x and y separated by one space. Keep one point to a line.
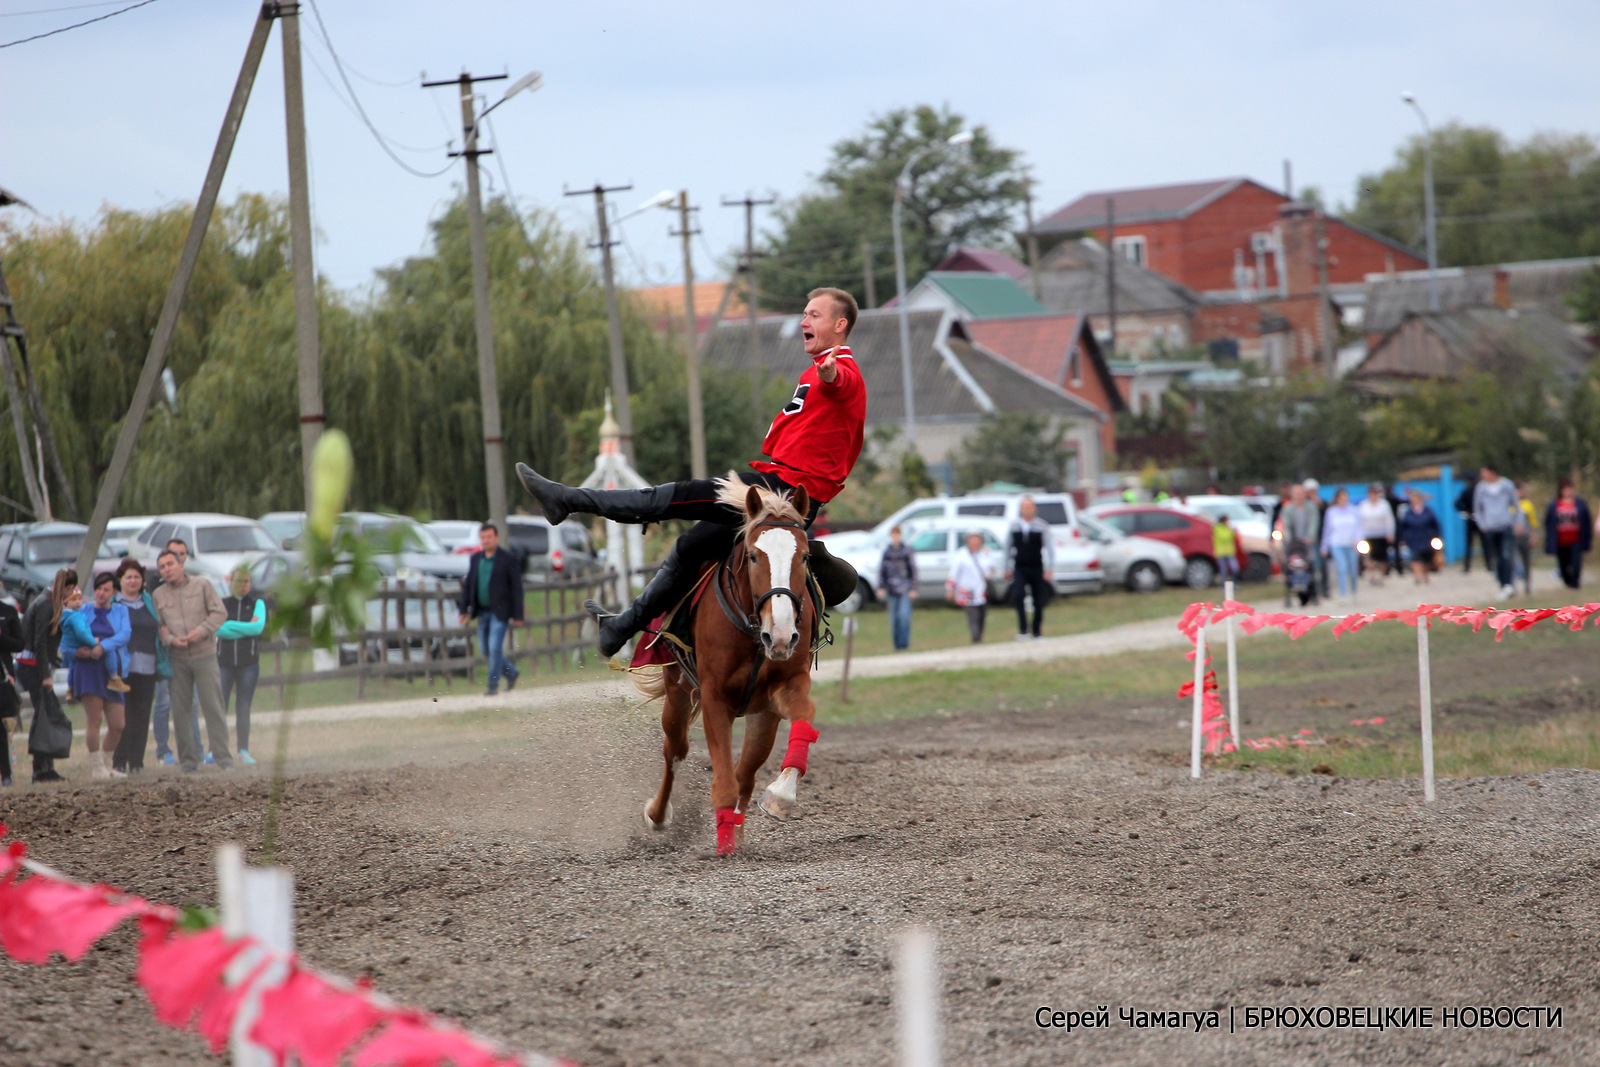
1185 529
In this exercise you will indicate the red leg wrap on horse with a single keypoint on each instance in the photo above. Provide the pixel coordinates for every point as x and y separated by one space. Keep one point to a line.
801 734
727 819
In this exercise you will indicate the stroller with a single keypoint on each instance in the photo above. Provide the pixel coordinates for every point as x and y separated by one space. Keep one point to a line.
1299 574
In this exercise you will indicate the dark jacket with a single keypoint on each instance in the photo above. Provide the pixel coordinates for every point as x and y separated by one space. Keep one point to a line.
506 598
239 651
897 570
39 637
1417 529
1585 526
10 645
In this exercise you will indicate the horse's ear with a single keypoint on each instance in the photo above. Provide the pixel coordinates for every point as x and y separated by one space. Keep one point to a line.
752 502
802 500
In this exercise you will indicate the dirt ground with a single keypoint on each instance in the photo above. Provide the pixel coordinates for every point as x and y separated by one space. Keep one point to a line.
1063 857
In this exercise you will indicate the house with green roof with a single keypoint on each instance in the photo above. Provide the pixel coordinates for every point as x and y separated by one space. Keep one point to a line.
973 295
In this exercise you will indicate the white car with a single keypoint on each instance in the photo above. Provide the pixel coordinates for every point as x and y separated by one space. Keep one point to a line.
456 534
936 540
1057 509
217 543
1246 520
1142 564
121 530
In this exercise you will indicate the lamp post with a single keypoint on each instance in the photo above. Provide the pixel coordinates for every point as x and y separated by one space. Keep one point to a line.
956 140
1427 201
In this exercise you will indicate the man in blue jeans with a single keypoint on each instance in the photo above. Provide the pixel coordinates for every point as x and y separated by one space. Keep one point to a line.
897 587
492 593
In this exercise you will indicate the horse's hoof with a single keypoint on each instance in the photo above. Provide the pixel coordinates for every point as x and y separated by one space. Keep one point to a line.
782 797
657 827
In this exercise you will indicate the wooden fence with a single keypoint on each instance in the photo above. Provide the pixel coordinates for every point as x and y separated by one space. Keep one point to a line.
418 634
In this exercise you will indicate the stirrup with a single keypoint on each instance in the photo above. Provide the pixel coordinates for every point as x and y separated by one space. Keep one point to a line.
593 608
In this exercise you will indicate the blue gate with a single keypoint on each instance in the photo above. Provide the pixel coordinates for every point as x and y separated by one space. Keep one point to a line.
1440 493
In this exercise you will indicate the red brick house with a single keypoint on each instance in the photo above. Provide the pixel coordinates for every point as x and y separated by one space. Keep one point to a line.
1060 350
1222 235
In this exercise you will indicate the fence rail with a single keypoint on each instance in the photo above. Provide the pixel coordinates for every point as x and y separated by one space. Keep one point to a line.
417 633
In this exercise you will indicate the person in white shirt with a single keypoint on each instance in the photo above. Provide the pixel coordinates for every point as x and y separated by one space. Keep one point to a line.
1377 529
968 584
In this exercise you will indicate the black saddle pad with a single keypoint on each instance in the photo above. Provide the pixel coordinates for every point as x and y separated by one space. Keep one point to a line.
836 577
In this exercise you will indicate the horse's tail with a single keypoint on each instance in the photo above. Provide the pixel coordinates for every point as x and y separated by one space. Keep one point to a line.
653 684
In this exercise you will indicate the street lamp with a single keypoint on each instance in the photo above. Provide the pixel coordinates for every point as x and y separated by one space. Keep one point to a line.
1427 200
955 141
529 82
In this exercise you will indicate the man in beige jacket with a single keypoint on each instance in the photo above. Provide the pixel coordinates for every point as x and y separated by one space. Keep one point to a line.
191 612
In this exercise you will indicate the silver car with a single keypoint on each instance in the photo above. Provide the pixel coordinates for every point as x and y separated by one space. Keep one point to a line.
1143 564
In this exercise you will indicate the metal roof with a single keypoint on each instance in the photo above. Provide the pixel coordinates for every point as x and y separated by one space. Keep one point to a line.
1072 278
984 295
1151 203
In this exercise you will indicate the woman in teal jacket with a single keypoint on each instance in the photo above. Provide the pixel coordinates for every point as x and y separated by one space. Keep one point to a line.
92 641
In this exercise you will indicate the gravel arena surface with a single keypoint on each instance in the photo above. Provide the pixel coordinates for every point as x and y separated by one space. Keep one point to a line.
1063 861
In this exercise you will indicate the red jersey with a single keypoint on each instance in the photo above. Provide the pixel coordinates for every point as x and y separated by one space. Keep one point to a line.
816 439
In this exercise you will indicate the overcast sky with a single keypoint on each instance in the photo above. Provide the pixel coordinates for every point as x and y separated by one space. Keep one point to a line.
727 98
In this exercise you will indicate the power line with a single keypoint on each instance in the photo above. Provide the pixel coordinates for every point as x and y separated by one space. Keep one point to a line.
500 160
55 10
77 25
339 96
361 111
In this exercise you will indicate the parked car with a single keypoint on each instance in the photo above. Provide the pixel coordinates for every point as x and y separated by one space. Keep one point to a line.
1246 520
1190 531
217 543
34 551
285 526
548 552
421 551
456 534
936 540
1142 564
121 531
1057 509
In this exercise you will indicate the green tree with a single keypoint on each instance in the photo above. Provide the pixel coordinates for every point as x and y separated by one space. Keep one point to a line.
1296 430
1022 447
959 196
1495 201
1585 299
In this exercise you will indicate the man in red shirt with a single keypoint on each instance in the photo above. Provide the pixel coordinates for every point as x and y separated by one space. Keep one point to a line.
814 441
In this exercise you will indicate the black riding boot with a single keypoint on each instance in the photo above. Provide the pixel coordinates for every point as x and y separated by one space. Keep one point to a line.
620 505
668 586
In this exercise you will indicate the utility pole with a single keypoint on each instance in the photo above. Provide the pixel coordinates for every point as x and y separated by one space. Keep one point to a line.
1111 273
753 337
869 283
1033 240
619 364
488 384
157 356
1324 313
691 343
9 329
305 273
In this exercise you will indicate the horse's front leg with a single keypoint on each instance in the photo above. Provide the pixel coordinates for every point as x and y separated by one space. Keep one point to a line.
717 718
793 700
760 730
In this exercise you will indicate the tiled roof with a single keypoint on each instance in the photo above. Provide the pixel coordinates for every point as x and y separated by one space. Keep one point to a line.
982 259
668 299
1147 204
1042 346
985 295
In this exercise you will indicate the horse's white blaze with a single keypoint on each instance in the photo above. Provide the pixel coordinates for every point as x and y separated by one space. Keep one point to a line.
779 546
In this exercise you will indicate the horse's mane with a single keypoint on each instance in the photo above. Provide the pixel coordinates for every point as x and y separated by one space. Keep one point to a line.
732 492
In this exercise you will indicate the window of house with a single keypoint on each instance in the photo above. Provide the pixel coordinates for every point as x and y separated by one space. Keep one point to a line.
1131 248
1075 365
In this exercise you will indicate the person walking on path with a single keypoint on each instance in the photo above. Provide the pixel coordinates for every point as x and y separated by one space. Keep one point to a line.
1527 531
1377 529
1418 528
41 634
1464 509
1341 529
897 586
11 644
239 654
191 612
492 594
93 638
1225 546
147 665
1568 532
968 585
1497 510
1030 564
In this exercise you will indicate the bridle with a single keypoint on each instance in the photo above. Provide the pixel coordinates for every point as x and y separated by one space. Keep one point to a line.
749 623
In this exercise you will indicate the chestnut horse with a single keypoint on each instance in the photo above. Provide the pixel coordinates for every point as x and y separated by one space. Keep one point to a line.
757 618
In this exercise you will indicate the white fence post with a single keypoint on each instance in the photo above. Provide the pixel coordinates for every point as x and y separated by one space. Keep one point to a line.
258 902
1425 676
1199 700
917 985
1233 672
